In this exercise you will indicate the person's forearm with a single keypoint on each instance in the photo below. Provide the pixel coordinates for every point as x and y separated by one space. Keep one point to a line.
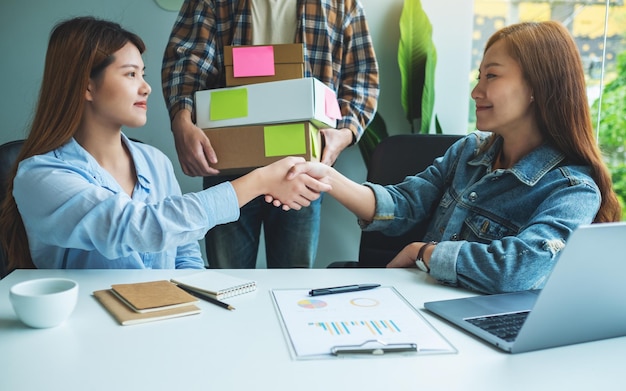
248 187
359 97
359 199
180 119
188 65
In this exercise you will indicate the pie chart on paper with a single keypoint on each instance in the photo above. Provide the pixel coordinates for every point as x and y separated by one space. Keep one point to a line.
312 303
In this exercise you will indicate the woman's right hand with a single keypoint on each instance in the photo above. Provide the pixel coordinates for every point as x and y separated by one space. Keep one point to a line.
292 191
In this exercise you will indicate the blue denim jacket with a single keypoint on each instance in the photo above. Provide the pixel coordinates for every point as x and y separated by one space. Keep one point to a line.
498 231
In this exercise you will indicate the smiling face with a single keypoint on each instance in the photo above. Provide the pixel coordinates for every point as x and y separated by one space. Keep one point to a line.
504 103
118 96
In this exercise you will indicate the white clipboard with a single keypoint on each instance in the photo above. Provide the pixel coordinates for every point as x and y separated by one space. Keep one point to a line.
376 322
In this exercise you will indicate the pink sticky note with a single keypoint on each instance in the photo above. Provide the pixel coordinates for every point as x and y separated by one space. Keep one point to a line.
253 61
331 105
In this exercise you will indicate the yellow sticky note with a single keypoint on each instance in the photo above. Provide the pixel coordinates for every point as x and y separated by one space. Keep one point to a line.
284 140
227 104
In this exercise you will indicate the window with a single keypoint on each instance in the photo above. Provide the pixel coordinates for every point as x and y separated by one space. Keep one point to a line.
599 29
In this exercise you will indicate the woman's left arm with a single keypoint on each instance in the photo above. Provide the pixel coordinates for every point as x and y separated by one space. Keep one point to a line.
525 260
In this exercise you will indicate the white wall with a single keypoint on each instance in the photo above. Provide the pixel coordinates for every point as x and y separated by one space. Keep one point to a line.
25 26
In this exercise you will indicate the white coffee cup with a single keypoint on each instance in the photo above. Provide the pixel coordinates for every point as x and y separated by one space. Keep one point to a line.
44 302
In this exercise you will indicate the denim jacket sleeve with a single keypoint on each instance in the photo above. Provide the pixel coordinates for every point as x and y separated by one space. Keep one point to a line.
499 230
520 260
398 207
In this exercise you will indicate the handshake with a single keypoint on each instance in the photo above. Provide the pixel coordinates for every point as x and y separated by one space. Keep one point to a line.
293 183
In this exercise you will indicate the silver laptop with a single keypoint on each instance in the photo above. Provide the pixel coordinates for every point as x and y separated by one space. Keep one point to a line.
584 298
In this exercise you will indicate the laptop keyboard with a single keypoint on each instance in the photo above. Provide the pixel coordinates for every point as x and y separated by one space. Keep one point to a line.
505 326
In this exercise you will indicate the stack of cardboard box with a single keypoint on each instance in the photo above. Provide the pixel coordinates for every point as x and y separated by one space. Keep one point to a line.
268 109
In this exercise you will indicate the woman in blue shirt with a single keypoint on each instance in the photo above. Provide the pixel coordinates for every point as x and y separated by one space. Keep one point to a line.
500 205
85 196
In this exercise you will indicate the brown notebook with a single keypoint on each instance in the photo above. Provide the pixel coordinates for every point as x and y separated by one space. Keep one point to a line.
126 316
152 296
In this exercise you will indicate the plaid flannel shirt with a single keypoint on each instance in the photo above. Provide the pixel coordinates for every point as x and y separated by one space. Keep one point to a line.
337 48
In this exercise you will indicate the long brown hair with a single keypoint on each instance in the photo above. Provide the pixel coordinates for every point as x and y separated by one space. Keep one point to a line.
552 67
78 49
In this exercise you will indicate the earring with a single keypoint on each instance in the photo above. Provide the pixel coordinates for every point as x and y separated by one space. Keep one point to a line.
532 98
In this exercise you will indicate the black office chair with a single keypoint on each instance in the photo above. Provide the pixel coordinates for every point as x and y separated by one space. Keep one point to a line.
393 159
8 156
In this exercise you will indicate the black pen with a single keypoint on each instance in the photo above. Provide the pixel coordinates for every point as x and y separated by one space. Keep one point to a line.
342 289
206 297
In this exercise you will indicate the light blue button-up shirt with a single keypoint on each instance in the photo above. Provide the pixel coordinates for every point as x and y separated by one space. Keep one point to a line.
499 230
78 217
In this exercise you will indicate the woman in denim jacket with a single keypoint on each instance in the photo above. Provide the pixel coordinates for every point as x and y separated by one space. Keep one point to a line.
502 202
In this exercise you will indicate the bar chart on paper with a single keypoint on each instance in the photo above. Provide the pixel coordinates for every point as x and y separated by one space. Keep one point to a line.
372 327
315 326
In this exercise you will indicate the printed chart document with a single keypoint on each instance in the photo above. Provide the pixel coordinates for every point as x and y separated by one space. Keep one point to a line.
370 322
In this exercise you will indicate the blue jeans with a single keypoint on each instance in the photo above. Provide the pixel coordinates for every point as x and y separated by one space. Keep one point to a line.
291 237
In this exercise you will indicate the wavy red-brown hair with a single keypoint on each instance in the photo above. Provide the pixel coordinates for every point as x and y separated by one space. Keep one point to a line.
552 67
78 49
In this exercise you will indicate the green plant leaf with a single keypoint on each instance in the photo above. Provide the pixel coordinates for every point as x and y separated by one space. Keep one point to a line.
438 129
417 60
428 93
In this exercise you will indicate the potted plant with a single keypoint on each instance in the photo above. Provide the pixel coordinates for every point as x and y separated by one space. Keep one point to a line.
417 58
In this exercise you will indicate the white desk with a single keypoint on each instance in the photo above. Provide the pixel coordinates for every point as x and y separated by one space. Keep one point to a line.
245 349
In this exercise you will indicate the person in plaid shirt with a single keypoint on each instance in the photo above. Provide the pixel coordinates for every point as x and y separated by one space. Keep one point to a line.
338 51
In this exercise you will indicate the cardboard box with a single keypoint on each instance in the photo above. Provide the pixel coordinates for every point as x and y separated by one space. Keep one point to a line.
240 149
297 100
263 63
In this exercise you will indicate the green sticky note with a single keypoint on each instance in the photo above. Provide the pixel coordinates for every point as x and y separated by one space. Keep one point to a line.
313 132
284 140
228 104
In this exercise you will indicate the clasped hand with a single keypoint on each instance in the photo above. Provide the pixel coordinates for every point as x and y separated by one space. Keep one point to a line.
296 188
300 185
